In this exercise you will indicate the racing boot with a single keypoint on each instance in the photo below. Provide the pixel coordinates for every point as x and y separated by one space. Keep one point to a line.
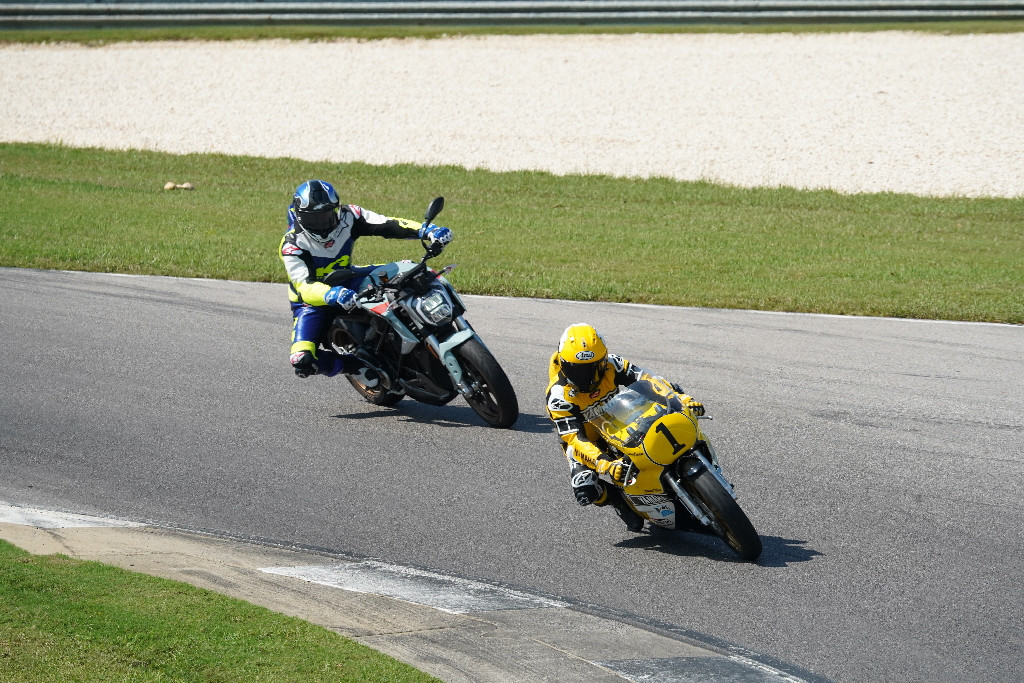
633 521
304 363
585 485
330 364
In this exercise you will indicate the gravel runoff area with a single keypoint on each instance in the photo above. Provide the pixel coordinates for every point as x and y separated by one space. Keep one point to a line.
921 113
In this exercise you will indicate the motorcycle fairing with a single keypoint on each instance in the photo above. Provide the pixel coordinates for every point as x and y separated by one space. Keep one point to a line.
670 437
658 509
409 340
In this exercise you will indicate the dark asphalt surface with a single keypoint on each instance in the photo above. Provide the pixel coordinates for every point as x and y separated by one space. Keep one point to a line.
881 461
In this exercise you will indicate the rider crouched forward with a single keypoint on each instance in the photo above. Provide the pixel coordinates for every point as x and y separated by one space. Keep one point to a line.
582 374
319 240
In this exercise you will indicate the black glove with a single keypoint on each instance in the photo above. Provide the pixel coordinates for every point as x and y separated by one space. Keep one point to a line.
585 487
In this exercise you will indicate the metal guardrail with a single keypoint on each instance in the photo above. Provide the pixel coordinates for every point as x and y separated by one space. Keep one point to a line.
113 13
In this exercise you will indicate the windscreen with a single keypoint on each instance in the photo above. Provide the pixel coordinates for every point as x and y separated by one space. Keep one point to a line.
624 419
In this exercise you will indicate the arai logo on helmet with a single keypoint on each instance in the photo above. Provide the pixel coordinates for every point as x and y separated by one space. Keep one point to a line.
585 355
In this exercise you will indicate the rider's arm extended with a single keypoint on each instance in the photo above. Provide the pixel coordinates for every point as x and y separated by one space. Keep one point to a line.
627 373
369 223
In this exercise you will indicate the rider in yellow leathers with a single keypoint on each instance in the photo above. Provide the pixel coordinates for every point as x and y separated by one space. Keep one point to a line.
582 374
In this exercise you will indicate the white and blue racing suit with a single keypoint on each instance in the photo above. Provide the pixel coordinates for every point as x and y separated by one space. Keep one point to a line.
308 261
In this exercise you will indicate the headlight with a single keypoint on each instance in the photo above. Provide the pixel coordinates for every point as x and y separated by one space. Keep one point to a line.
435 307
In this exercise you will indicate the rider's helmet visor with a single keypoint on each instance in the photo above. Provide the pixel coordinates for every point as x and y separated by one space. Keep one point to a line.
317 222
583 376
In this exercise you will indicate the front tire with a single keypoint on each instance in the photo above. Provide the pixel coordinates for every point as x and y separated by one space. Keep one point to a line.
493 397
730 522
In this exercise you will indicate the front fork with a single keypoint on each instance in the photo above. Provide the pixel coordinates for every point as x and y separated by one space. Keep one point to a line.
443 351
697 462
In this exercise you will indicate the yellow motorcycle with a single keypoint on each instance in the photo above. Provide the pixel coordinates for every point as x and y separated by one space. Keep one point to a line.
674 479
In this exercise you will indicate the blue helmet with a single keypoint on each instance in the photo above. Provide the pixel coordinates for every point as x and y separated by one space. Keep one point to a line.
315 206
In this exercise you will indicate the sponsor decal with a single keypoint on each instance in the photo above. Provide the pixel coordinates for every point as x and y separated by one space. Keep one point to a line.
290 250
585 355
592 411
329 244
357 210
651 500
559 405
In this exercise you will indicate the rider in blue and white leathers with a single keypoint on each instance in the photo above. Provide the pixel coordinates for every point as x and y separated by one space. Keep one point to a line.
320 237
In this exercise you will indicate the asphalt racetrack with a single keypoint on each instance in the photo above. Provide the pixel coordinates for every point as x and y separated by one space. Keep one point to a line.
881 461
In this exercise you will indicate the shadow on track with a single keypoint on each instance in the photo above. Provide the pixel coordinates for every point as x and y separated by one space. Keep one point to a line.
447 416
778 551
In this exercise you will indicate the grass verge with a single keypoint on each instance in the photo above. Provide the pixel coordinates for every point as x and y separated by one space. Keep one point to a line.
530 234
63 619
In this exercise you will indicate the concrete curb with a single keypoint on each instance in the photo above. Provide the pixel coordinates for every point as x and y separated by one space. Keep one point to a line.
454 629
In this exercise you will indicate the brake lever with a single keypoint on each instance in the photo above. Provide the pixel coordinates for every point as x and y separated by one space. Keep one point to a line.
371 292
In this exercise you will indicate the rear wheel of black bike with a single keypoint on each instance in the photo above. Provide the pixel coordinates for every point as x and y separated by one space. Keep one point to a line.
342 342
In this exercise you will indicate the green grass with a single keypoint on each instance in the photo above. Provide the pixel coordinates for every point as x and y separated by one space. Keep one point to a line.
68 620
102 36
530 234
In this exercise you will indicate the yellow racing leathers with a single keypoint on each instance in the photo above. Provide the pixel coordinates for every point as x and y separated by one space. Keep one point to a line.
580 440
581 443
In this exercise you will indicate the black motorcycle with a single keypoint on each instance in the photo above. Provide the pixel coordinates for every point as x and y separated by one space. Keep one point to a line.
409 325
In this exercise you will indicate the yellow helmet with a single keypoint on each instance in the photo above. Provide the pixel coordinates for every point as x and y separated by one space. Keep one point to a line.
581 356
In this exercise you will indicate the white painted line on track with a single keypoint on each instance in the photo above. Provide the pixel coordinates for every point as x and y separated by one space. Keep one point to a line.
445 593
698 669
50 519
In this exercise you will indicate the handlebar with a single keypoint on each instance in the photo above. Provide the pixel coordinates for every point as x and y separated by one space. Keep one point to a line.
374 289
429 252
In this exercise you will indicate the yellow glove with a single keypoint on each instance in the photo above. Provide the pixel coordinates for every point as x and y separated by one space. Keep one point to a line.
616 469
696 406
